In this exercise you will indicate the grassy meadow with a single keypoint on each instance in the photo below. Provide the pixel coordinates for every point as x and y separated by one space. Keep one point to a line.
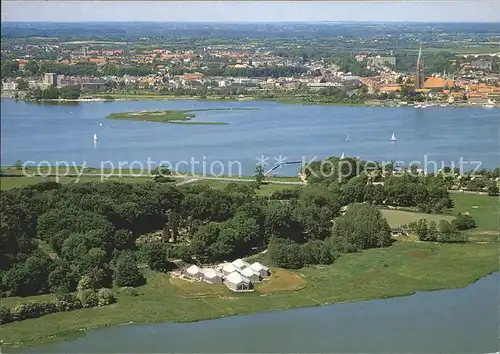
398 270
397 218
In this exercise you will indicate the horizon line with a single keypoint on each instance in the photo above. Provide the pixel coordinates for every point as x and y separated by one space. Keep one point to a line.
249 22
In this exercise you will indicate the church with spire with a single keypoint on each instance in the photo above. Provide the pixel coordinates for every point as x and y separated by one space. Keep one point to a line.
420 74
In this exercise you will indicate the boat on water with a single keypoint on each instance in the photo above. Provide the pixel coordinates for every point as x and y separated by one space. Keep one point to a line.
342 156
347 138
95 137
393 137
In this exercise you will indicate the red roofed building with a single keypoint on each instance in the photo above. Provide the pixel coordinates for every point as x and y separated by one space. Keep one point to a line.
438 83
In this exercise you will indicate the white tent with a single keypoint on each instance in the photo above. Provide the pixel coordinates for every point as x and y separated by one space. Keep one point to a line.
235 281
261 269
228 268
194 272
211 276
240 264
251 274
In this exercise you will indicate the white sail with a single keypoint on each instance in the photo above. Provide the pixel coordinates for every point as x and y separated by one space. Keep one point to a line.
347 138
95 137
342 157
393 138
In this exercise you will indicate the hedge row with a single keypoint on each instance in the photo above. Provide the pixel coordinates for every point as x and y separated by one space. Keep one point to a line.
65 302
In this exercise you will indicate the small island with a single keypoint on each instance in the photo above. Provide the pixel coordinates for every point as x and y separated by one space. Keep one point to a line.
170 116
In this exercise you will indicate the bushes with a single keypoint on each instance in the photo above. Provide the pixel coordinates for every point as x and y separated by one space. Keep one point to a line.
67 302
5 315
286 194
464 222
32 310
105 297
88 298
64 302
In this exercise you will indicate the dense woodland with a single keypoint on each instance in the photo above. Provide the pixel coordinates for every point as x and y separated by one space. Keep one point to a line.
96 230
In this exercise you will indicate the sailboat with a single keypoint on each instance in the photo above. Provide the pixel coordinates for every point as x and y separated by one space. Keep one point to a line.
393 137
347 138
342 157
95 137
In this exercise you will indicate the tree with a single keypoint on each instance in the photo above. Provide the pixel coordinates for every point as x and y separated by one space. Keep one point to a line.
202 239
259 175
161 174
432 233
493 189
70 92
316 252
280 222
448 233
62 279
421 229
28 278
285 253
363 226
156 254
126 271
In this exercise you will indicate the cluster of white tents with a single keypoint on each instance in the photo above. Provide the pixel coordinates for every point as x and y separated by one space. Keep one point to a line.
237 275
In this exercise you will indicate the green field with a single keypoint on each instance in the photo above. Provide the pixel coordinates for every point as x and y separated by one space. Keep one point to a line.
397 218
15 182
398 270
485 211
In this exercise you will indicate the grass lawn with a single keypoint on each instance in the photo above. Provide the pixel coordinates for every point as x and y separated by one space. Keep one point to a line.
281 280
397 218
398 270
484 209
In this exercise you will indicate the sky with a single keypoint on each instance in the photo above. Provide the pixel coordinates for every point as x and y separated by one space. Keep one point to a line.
252 11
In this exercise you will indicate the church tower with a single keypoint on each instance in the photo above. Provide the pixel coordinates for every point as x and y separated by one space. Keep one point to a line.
420 77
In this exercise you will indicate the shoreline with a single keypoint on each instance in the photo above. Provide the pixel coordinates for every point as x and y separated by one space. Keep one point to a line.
66 336
283 301
284 100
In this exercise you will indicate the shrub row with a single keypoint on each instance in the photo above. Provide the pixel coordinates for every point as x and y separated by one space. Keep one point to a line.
64 302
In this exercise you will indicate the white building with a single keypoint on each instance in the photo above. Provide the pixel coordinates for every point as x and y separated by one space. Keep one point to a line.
261 269
251 274
194 272
9 86
236 282
211 276
240 264
227 268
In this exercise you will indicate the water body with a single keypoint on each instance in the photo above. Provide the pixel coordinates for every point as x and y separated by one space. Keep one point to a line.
449 321
64 132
